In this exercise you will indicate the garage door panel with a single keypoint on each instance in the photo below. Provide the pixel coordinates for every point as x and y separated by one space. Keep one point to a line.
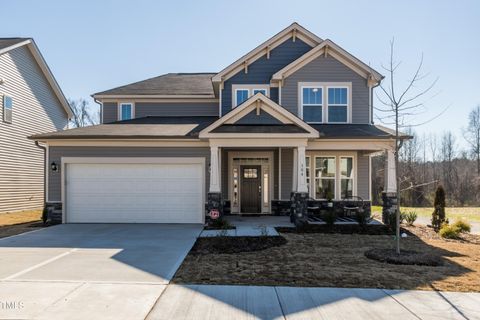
162 193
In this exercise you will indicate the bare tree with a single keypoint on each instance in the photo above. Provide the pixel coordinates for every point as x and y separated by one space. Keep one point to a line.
400 106
448 153
82 114
472 134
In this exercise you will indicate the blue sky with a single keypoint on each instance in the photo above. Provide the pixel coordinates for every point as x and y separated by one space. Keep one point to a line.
96 45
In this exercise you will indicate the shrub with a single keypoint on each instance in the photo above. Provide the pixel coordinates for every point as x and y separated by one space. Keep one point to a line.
362 217
438 215
449 232
462 226
392 219
410 217
220 223
329 217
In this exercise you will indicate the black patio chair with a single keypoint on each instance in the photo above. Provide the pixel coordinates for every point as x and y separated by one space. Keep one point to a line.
352 205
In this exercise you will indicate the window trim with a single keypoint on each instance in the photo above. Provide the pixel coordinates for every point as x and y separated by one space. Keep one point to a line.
340 175
249 88
119 110
312 105
315 176
337 155
325 86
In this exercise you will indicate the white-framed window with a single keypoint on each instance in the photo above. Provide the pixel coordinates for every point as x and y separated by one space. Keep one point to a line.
242 92
307 172
325 177
7 109
125 111
325 102
312 104
337 104
346 177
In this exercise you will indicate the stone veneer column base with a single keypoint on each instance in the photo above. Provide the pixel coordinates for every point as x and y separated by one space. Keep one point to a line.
214 202
298 209
389 200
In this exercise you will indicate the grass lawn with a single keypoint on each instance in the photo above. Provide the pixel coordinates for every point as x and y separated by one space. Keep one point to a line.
471 214
20 222
337 260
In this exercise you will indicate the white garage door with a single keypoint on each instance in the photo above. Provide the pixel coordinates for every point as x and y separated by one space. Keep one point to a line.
134 193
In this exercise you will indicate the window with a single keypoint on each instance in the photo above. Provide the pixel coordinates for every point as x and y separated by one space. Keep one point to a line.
241 96
250 173
265 186
243 92
126 111
338 104
312 104
262 91
346 177
325 175
7 109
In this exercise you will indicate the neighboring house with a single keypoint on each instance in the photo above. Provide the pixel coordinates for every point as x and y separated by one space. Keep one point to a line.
31 102
289 120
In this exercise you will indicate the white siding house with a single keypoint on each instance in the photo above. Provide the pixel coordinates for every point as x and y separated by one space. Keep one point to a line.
30 103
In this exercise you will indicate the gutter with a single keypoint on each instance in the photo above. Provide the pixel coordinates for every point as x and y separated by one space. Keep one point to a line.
44 172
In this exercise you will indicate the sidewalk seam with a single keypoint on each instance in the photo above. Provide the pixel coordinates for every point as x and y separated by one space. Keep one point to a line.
414 314
279 302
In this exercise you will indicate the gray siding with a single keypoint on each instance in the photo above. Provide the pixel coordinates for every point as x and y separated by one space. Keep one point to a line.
363 176
163 109
36 109
328 70
287 172
261 71
54 178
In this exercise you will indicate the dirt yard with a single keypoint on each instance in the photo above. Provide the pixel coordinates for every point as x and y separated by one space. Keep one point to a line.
337 260
19 222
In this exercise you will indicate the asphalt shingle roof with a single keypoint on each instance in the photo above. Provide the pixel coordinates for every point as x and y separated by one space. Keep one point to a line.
168 84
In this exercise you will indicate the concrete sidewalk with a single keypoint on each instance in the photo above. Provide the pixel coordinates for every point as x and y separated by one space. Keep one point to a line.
100 300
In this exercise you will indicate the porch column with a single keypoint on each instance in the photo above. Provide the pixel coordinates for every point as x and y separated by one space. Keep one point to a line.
390 178
301 170
389 195
214 170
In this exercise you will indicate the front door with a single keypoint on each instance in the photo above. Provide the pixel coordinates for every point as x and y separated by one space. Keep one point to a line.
250 189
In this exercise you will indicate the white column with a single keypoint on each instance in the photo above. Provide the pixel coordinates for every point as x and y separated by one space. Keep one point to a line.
214 170
302 170
390 178
295 170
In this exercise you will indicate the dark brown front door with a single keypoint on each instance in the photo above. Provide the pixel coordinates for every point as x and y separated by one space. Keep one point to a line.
250 189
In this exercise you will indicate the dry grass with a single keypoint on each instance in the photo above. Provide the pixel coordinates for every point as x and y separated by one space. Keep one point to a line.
471 214
337 260
7 219
19 222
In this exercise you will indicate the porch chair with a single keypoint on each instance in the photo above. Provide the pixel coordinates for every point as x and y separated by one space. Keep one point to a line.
352 205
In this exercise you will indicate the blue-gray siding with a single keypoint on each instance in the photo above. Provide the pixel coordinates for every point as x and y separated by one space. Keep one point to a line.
262 118
287 172
363 175
56 153
163 109
261 71
328 70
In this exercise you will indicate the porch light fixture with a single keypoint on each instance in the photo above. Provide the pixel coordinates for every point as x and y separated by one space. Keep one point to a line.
54 166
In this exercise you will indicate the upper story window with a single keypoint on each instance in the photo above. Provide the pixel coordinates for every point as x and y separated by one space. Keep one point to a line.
312 104
325 102
338 104
7 109
243 92
125 111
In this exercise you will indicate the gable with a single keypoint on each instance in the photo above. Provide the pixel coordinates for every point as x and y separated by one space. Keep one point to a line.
261 71
254 116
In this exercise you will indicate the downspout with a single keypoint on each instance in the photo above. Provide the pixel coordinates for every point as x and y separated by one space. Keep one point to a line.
101 109
44 172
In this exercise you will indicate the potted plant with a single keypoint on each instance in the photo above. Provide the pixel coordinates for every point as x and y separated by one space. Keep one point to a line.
329 199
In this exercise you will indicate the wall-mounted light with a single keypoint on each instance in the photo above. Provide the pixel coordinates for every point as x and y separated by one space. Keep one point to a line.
54 166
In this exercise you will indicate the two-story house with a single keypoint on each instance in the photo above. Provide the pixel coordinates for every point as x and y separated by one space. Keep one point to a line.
31 102
291 119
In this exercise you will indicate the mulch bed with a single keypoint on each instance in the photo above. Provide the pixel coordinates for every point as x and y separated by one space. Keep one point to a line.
340 229
229 245
406 257
14 229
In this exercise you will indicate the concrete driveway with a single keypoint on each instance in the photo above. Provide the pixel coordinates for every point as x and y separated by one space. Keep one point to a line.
74 271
